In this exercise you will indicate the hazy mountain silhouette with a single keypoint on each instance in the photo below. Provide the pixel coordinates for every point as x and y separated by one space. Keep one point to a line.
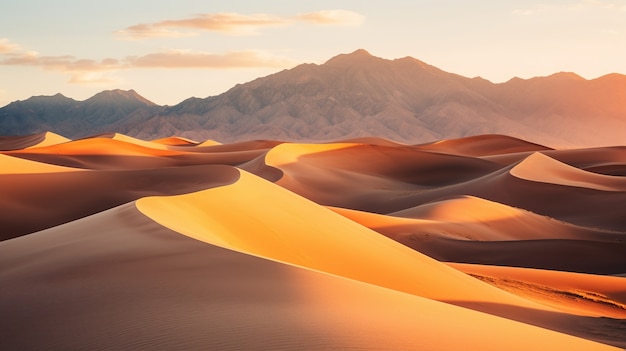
352 95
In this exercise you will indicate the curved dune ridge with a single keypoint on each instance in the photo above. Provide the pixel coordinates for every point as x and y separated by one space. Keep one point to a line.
355 244
117 152
544 169
127 295
483 145
175 141
473 219
299 232
369 177
31 141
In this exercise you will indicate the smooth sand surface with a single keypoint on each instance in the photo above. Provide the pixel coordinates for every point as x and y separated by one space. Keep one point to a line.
298 232
118 152
50 139
30 141
361 244
541 168
175 141
585 294
141 286
16 165
369 177
36 201
483 145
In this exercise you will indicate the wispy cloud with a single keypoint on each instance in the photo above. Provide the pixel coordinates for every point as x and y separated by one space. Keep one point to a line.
7 47
235 23
83 71
198 59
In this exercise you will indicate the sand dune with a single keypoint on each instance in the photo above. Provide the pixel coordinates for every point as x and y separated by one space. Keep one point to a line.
543 169
120 152
142 286
602 298
298 232
175 141
53 198
486 221
586 294
472 230
31 141
483 145
357 244
16 165
368 177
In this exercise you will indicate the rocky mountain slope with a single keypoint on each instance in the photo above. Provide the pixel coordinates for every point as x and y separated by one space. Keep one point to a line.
352 95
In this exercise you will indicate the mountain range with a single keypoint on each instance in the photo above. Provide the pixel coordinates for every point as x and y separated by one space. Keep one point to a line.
351 96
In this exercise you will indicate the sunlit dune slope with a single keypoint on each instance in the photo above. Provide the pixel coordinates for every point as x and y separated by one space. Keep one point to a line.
299 232
587 294
135 141
122 152
36 201
117 280
175 141
544 169
209 143
606 160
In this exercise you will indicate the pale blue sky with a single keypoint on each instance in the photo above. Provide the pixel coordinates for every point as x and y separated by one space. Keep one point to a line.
202 48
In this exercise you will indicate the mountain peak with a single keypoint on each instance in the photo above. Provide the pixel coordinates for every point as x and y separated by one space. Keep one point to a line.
358 56
118 94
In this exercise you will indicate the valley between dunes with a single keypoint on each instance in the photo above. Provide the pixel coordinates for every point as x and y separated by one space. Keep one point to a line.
481 243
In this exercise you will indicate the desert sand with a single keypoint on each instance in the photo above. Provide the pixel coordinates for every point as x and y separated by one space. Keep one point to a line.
487 242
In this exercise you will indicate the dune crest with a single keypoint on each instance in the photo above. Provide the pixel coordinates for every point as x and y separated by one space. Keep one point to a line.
299 232
127 295
544 169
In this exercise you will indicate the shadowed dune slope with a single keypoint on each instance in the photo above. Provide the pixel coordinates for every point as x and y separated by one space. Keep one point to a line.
368 177
16 165
483 145
117 280
30 141
602 298
32 202
577 203
473 230
474 219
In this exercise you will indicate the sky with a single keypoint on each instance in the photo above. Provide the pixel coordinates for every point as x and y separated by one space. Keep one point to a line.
168 51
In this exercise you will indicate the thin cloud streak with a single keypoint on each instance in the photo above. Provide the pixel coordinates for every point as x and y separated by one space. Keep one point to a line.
195 59
83 71
235 23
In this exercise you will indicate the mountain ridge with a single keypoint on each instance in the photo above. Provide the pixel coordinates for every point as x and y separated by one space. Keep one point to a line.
356 95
